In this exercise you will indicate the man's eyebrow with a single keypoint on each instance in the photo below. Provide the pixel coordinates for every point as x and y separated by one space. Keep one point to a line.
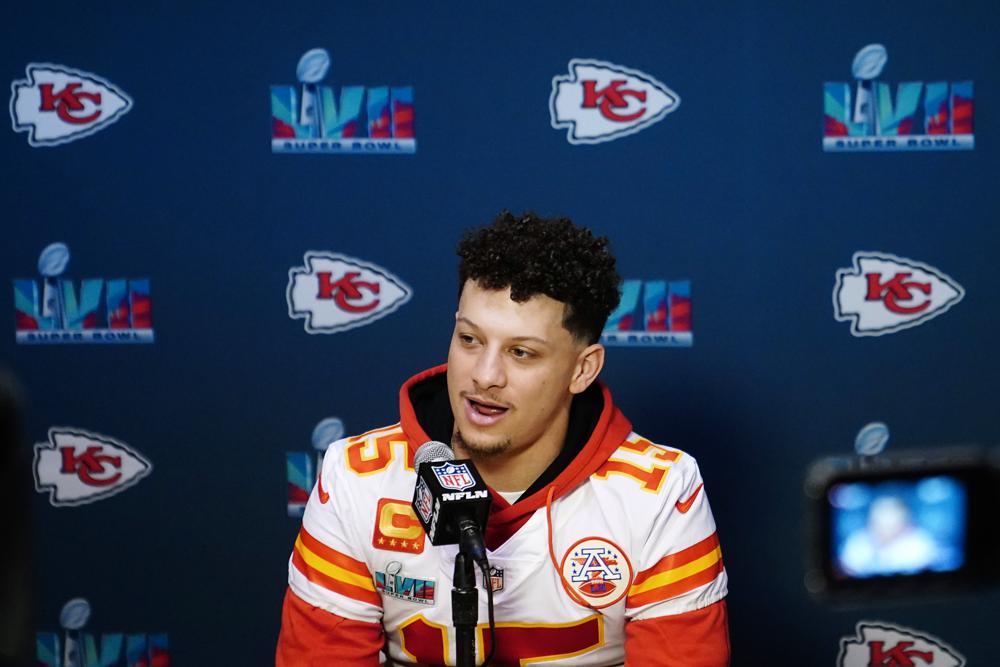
466 320
534 338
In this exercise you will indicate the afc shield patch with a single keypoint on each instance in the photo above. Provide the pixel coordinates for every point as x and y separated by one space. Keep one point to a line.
598 570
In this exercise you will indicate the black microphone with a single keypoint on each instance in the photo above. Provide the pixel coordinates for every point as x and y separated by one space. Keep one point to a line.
450 498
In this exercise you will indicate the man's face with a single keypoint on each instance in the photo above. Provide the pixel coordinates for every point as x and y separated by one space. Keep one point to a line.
510 366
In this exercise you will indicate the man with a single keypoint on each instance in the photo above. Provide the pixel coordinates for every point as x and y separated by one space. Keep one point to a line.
602 544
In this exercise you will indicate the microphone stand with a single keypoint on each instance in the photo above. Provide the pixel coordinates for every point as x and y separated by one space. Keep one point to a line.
464 521
465 608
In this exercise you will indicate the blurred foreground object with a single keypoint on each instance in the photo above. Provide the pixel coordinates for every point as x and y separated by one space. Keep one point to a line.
914 522
15 573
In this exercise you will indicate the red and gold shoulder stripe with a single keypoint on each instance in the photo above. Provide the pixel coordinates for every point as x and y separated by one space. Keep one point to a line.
677 573
333 570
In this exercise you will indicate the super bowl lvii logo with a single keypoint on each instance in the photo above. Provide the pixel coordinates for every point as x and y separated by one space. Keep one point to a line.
873 120
76 648
651 313
55 311
301 467
311 119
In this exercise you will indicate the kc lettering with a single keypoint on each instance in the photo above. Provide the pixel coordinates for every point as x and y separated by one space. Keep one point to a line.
333 292
57 104
67 100
347 291
612 97
92 467
897 289
883 293
599 101
880 644
77 467
900 655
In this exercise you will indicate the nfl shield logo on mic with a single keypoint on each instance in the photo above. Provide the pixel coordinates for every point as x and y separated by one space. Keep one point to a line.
454 476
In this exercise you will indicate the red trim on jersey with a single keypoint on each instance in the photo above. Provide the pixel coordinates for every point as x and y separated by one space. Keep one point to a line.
329 579
698 638
314 636
611 430
706 576
339 559
683 557
682 581
334 585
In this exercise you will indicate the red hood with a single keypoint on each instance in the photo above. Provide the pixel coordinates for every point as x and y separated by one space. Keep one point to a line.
611 430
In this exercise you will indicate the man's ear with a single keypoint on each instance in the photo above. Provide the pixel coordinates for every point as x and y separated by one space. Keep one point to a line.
589 363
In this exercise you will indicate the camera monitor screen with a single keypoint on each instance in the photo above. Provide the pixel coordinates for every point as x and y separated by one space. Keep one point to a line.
898 526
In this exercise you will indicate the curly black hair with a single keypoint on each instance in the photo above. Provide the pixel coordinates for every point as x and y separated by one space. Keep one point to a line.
550 256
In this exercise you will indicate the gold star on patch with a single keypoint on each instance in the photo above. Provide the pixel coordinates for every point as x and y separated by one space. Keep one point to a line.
406 545
381 540
392 543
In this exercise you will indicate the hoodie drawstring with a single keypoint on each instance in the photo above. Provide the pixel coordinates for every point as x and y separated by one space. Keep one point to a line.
576 597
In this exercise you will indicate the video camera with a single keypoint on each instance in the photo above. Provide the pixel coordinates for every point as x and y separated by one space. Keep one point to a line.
912 522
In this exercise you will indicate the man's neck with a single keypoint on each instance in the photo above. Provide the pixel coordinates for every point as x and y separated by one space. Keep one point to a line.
518 469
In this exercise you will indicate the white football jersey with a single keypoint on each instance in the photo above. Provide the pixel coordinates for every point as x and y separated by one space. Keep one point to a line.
631 532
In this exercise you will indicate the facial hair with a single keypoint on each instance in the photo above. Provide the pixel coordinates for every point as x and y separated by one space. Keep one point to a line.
481 450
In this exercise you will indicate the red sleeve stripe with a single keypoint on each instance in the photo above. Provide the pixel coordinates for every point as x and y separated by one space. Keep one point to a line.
332 578
679 559
332 556
678 573
680 587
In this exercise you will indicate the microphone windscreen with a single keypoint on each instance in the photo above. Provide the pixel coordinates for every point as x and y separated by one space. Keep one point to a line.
432 451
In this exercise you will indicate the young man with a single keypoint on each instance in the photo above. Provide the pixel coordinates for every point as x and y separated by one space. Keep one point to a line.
602 544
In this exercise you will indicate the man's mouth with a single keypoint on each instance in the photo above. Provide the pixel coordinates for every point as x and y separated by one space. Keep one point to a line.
484 412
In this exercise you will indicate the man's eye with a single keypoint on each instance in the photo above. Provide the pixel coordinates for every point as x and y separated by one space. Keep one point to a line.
521 353
466 338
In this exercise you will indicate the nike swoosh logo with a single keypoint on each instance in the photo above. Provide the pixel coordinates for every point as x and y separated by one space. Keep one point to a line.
684 505
324 497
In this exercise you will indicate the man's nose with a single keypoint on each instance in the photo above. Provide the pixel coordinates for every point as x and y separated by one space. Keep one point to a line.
489 371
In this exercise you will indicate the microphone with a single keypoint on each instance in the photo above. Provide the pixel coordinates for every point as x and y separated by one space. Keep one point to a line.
450 499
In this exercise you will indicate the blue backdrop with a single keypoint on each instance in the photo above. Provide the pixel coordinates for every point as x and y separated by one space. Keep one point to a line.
732 191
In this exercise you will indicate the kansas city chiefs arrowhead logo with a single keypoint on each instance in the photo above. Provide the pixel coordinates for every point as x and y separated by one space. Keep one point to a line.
881 644
600 101
57 104
883 293
77 467
335 293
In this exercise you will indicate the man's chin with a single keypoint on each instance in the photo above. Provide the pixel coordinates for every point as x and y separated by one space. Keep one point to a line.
480 447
